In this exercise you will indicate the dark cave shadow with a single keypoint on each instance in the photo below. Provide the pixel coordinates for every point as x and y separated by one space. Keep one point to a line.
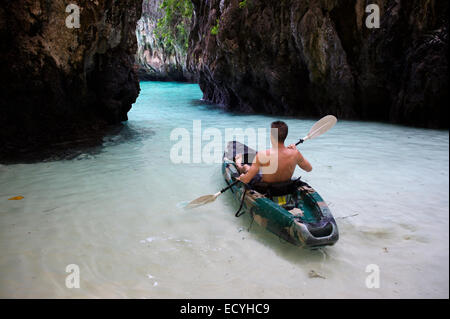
79 147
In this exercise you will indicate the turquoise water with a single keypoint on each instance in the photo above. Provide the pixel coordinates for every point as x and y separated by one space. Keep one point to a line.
116 212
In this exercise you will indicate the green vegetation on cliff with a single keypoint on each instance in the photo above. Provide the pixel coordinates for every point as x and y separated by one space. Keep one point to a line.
243 4
172 29
215 29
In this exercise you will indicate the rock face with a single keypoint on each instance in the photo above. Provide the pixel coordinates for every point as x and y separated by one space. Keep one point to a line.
155 61
58 81
317 57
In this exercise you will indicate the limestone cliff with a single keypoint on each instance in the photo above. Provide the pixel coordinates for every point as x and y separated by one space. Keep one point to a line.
318 57
162 56
58 81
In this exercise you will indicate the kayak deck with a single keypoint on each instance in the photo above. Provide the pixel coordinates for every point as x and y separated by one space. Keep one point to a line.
300 216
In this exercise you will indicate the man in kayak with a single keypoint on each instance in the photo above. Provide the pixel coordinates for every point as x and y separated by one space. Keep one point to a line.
276 164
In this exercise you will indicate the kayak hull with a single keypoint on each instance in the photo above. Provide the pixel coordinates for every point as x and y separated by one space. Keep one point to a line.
306 221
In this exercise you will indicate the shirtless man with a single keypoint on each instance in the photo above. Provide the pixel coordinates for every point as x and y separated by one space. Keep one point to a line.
276 164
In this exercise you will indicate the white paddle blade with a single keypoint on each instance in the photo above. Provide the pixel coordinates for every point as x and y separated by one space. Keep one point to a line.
322 126
203 200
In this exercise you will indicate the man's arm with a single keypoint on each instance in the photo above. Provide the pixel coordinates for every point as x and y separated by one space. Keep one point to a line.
254 169
301 161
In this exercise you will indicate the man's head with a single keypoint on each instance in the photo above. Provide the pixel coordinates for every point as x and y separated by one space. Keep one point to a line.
278 131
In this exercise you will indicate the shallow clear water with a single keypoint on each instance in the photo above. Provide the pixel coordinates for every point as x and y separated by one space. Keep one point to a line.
116 212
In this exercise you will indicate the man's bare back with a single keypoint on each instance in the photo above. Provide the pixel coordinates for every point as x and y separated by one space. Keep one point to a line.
276 164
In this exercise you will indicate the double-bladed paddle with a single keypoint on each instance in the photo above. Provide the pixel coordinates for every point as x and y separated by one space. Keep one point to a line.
321 126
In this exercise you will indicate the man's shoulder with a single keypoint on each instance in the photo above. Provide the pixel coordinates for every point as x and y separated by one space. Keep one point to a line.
293 150
294 154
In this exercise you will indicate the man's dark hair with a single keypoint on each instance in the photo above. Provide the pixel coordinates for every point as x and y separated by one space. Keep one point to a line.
281 128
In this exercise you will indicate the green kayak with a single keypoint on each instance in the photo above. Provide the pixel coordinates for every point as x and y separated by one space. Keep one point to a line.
292 210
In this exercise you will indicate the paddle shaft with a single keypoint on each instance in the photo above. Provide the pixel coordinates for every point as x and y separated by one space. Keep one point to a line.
229 186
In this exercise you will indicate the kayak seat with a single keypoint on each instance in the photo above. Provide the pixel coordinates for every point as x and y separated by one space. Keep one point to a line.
277 189
284 193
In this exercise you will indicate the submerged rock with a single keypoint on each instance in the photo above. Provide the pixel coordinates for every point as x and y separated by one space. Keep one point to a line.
58 81
314 274
317 57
